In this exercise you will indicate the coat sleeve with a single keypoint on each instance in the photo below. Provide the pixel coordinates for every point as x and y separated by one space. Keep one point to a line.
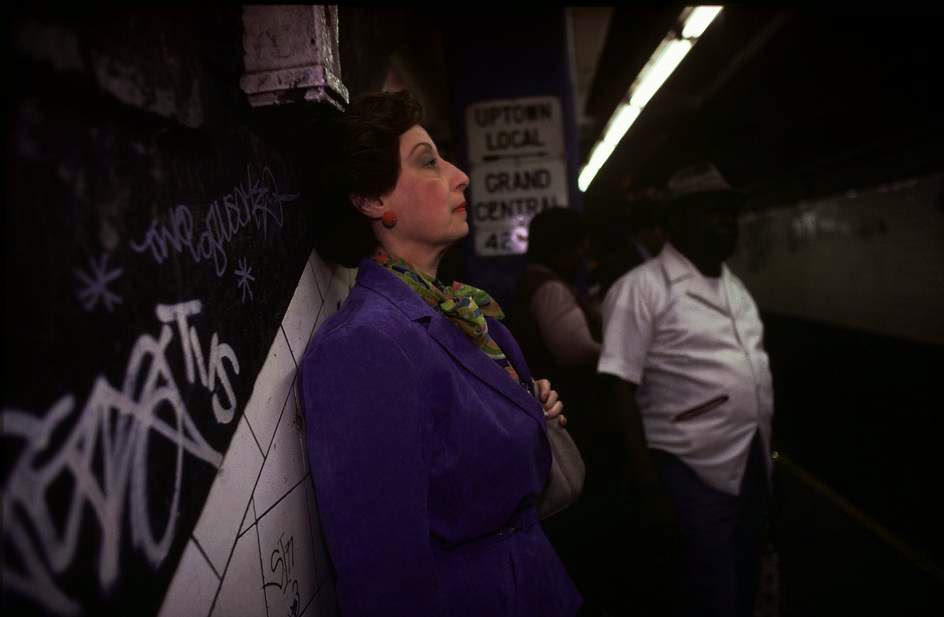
370 465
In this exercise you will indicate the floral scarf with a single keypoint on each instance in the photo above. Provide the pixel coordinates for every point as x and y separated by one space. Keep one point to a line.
465 306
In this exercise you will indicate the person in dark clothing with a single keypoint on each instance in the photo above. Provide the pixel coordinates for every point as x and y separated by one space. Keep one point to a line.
558 328
629 238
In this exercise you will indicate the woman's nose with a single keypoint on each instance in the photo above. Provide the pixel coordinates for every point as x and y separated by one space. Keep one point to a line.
462 180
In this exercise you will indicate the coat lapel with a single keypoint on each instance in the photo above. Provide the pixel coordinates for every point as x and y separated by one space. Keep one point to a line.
456 344
476 362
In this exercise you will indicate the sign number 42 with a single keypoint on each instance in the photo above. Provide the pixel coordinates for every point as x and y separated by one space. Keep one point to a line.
499 241
512 241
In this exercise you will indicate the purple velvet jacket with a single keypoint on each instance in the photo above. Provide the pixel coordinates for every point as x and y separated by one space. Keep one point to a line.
427 460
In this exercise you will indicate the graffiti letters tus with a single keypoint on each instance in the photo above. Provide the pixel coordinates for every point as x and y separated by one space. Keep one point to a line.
104 461
282 565
255 200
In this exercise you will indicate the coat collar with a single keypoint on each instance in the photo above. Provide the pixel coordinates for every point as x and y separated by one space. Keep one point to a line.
677 268
376 278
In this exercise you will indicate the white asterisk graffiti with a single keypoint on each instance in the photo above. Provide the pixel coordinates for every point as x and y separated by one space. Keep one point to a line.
244 274
95 284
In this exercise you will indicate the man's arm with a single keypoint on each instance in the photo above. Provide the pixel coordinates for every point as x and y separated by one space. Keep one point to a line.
639 470
647 497
629 324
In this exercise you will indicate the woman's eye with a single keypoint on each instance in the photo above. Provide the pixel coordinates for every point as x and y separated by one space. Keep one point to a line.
430 163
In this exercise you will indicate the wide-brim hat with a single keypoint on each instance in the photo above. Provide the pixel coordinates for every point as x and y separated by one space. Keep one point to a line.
701 183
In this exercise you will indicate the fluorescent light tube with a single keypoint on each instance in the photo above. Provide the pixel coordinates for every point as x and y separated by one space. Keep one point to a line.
699 20
583 180
663 62
620 122
601 152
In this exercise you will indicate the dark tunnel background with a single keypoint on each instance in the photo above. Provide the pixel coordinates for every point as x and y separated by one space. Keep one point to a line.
798 107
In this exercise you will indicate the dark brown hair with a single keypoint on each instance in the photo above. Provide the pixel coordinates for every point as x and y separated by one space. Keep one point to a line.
365 161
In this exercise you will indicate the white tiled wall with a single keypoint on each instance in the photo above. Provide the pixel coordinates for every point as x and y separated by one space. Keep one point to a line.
871 260
192 590
256 549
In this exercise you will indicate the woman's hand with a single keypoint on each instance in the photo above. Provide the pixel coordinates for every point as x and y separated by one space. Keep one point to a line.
553 406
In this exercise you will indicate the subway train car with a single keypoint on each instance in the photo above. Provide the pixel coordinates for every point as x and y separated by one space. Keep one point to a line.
168 260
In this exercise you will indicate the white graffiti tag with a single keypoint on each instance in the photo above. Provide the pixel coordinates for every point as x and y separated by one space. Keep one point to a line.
104 460
257 200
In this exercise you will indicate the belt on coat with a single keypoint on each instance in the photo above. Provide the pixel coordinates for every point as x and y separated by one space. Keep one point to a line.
521 521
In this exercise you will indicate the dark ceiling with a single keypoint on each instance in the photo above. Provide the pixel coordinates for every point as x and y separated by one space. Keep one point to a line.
789 104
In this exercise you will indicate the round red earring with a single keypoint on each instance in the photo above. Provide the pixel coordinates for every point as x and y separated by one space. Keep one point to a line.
389 219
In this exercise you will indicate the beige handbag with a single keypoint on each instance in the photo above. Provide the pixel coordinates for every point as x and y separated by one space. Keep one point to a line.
565 482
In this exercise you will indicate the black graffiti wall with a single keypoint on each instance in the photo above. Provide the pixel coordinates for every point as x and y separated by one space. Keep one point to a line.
153 236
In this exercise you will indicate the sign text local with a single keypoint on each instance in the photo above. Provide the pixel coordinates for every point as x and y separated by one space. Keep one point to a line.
515 127
505 197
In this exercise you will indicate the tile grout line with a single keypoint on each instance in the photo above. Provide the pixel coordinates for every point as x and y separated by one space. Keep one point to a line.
282 498
196 543
251 503
314 326
245 531
275 431
253 433
291 352
324 301
308 604
241 531
294 362
265 598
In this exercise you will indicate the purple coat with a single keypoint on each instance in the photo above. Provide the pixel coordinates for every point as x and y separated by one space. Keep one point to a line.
427 460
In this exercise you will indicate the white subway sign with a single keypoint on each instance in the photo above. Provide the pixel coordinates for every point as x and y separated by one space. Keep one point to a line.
505 197
529 126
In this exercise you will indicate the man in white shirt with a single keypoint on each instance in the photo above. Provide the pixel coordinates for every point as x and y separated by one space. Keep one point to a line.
682 344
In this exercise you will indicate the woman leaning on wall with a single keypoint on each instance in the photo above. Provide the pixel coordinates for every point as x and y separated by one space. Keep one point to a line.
426 432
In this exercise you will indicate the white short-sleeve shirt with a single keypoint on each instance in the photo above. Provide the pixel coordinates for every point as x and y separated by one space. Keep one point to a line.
694 346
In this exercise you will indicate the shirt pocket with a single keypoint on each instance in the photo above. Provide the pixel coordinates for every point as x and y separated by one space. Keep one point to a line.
700 409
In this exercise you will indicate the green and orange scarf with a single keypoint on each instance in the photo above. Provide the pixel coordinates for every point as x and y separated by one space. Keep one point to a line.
464 305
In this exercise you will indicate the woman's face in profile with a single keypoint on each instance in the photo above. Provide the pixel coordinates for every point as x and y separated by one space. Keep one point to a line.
429 197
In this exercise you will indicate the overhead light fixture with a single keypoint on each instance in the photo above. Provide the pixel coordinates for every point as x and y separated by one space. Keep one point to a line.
698 21
662 63
619 123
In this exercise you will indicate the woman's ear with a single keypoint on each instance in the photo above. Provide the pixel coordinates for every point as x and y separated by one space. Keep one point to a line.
371 207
